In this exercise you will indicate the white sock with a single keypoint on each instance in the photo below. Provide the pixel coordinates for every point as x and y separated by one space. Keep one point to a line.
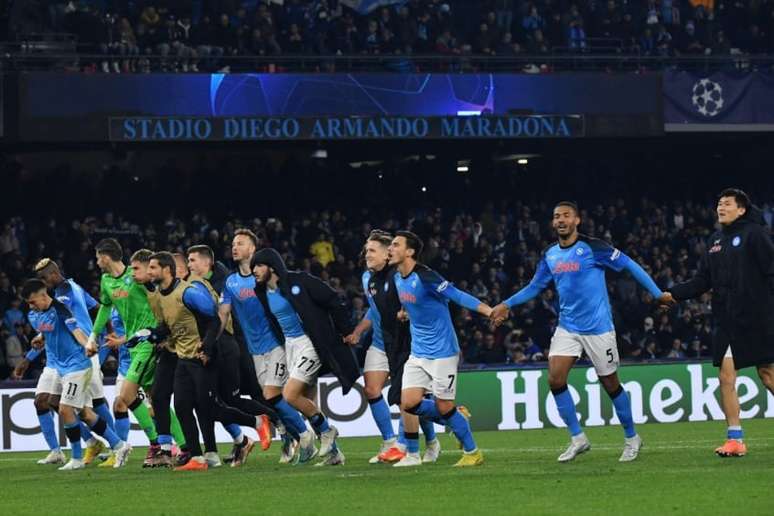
238 439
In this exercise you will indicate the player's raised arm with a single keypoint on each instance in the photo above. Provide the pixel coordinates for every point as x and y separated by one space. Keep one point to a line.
608 256
443 288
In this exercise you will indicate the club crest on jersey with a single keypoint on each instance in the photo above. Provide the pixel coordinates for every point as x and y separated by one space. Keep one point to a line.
128 280
414 284
372 289
736 241
386 287
295 290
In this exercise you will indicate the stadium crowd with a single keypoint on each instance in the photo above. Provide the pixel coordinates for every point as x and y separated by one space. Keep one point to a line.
204 34
490 251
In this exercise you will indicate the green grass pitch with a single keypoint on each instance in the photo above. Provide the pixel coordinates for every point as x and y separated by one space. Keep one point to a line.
677 473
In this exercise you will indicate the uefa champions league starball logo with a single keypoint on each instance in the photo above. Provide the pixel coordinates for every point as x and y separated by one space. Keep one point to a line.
707 97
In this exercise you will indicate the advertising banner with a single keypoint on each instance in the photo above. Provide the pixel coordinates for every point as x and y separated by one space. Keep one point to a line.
292 106
516 399
721 101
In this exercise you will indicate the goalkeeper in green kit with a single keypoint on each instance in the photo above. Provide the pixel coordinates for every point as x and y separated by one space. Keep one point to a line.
120 288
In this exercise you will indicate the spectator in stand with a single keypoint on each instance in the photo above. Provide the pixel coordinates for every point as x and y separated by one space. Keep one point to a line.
204 37
226 36
322 250
15 344
504 12
13 315
295 41
576 36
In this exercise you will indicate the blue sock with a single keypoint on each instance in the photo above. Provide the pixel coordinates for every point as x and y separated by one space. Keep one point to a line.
401 433
122 425
428 428
291 417
165 439
381 413
319 423
100 428
73 432
428 410
623 408
412 442
735 432
46 420
85 430
234 430
461 429
566 407
103 411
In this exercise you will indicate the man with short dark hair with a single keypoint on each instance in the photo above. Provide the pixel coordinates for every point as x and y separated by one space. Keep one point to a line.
189 320
576 265
432 365
739 268
120 288
212 275
167 423
69 348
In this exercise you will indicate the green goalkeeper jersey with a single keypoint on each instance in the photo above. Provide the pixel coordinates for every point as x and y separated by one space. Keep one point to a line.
130 300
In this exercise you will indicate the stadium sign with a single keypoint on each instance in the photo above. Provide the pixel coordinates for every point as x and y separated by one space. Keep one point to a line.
159 129
516 399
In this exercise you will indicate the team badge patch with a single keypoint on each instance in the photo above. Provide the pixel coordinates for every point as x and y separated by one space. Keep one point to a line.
736 241
386 287
295 290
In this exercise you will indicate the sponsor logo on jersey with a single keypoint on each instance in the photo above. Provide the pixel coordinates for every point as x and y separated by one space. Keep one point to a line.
562 267
407 297
45 327
246 293
120 293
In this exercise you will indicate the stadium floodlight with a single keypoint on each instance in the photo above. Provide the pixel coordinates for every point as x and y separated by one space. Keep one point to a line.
523 161
424 188
320 154
462 168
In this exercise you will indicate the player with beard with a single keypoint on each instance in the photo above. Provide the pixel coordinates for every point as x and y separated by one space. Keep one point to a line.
576 265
